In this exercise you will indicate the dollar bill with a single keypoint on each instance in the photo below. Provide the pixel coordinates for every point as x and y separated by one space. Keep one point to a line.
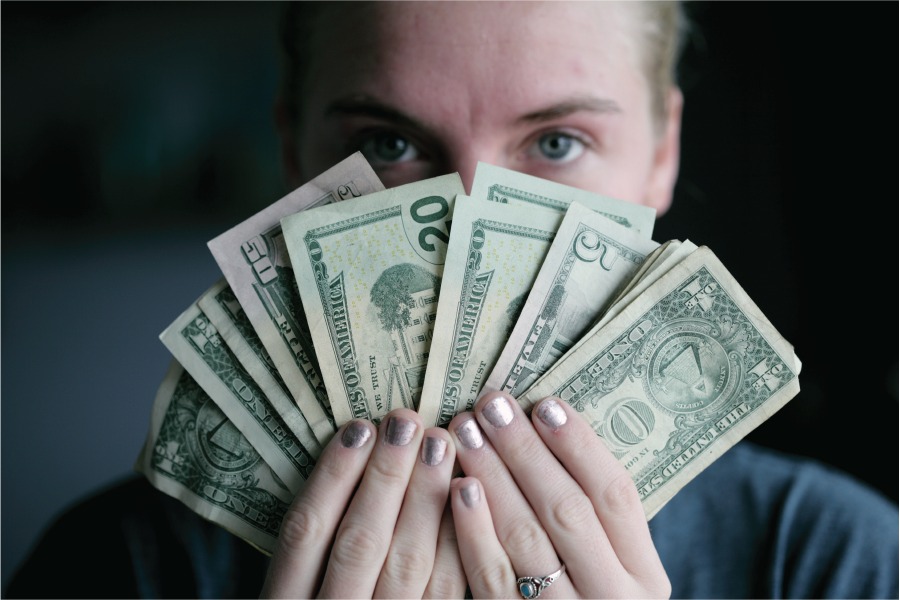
681 374
196 455
494 255
194 342
590 260
369 273
253 259
497 184
651 261
674 252
227 315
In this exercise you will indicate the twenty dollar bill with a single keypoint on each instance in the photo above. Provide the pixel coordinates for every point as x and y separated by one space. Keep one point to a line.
495 252
369 272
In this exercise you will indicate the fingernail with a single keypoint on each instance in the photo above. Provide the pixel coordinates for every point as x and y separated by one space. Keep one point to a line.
552 414
400 431
498 412
469 434
433 451
470 494
355 435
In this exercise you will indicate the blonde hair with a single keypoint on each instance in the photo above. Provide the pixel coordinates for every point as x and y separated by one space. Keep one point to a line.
663 27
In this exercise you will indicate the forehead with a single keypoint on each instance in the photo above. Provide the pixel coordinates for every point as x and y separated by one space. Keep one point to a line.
413 50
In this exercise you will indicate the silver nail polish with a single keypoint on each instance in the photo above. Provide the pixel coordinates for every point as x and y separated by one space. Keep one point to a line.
498 412
469 434
400 431
433 450
355 435
470 494
552 414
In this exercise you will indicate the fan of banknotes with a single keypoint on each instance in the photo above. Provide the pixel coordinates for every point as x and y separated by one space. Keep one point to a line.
344 300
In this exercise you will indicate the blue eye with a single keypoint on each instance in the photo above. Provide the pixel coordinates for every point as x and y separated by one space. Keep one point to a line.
388 148
559 147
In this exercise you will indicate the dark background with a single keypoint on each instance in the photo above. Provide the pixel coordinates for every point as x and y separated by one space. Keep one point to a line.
132 133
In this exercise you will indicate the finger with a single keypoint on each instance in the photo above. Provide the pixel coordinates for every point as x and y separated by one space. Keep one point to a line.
308 527
517 527
488 568
448 578
364 535
606 482
561 505
411 556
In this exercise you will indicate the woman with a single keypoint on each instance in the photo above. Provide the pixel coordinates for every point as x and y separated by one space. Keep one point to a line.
581 93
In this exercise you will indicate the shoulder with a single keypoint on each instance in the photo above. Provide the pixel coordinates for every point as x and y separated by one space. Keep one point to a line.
765 524
794 489
130 540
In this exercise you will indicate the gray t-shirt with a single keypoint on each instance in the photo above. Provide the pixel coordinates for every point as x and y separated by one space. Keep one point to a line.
755 524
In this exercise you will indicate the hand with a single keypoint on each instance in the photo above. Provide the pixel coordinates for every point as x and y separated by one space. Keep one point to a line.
544 494
371 519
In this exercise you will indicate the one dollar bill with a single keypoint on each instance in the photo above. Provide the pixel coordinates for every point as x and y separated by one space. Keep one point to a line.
196 455
222 308
196 344
681 374
254 260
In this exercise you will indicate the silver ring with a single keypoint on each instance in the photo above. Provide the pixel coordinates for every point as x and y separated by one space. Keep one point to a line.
531 587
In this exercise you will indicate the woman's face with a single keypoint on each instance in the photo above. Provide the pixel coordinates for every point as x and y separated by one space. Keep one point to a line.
426 88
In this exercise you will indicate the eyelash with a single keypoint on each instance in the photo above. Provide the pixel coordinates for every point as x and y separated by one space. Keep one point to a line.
532 145
365 140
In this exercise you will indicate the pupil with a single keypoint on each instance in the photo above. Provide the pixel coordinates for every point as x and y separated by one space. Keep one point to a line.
391 147
555 146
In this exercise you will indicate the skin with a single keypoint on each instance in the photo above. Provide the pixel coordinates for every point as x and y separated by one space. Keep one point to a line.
422 89
430 88
550 493
370 521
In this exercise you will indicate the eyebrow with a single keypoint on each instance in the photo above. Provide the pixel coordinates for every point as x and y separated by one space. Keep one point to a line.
568 107
366 106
